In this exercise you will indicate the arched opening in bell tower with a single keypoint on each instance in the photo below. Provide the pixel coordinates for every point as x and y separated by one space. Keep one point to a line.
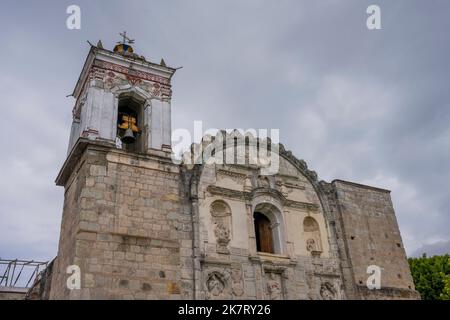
130 123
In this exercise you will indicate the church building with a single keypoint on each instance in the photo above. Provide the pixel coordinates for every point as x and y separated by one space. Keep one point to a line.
140 225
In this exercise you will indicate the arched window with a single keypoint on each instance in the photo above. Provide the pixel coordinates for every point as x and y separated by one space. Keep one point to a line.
312 235
130 123
263 232
269 230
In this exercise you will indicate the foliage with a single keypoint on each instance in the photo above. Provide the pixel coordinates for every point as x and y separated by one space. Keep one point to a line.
431 276
445 295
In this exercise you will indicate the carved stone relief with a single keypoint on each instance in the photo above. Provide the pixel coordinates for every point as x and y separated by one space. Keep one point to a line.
273 286
216 285
237 283
311 245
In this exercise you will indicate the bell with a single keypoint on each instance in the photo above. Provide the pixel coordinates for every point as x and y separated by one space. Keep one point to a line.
128 137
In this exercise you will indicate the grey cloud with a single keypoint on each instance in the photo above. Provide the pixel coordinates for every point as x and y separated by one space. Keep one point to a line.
437 248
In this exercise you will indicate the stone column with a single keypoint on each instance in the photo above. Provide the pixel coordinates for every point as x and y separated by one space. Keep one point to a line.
99 115
108 116
74 134
156 129
166 126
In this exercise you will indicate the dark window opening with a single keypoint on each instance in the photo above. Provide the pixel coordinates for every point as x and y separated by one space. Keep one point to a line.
263 232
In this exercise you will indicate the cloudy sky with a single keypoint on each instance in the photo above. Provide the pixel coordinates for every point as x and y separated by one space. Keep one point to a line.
371 106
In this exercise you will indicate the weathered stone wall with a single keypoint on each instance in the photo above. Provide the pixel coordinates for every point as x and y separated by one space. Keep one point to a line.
12 293
337 229
69 228
123 226
372 237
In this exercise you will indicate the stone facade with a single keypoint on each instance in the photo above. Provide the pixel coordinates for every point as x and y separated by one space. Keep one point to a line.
140 226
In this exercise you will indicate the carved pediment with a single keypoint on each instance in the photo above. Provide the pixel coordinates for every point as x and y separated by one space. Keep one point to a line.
244 195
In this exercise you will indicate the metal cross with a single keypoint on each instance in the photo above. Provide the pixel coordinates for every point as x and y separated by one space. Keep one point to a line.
125 38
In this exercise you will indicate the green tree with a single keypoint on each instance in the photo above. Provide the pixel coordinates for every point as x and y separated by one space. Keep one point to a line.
445 295
431 276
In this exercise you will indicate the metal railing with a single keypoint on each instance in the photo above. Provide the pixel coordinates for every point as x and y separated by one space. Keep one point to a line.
20 273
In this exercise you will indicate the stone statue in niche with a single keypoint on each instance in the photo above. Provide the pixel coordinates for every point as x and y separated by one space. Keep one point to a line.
221 221
312 234
215 284
327 291
222 234
274 288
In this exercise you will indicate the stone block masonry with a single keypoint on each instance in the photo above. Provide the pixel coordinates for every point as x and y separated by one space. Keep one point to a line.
123 226
372 237
141 227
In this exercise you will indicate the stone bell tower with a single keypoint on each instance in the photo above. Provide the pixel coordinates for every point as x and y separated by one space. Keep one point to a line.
123 224
120 86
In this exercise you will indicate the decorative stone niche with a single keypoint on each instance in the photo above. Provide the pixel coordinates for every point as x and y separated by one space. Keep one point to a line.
221 221
312 235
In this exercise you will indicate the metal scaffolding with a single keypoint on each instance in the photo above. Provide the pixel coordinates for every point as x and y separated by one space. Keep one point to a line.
20 273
